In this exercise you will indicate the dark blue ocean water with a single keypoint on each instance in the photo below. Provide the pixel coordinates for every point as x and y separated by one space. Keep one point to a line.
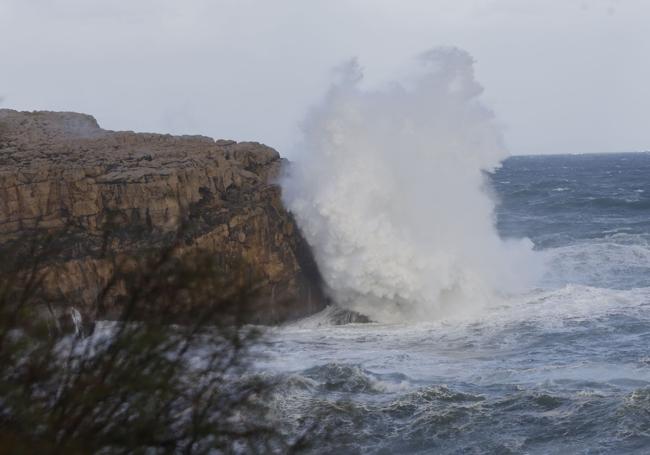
556 200
594 208
562 368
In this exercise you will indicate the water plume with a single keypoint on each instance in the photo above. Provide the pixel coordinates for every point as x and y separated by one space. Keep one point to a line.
389 188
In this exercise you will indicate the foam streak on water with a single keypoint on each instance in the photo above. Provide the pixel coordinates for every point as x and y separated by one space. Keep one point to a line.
560 368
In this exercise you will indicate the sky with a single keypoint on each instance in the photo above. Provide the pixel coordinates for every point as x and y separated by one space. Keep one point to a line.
562 76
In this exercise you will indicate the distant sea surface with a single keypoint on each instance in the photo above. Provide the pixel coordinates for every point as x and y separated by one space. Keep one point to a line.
562 368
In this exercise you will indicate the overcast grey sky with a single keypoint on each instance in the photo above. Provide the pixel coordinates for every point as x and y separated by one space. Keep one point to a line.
561 75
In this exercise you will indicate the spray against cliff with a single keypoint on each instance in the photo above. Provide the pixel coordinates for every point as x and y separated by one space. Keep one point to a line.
390 191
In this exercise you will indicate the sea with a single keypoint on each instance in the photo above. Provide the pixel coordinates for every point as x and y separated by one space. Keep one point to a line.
560 368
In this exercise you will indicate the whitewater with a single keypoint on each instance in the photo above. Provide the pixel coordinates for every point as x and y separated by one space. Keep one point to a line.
560 368
511 296
389 189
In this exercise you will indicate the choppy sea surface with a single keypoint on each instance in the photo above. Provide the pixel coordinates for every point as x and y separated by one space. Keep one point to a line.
562 368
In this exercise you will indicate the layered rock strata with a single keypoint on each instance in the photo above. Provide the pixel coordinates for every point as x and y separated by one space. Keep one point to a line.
60 170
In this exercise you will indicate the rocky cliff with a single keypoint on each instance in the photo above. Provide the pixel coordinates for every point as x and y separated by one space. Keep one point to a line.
61 169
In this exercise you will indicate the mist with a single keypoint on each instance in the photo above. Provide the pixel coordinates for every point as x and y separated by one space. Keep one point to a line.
390 191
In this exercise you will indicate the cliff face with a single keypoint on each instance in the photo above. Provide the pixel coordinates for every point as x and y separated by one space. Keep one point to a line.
61 169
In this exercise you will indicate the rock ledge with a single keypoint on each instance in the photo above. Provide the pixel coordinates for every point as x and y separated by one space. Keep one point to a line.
59 169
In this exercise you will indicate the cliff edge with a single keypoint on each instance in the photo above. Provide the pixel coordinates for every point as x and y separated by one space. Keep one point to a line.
60 169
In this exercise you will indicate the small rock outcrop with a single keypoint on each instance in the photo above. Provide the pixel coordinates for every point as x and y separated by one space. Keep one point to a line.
60 169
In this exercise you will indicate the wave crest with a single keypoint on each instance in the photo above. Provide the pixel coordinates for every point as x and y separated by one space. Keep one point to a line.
390 191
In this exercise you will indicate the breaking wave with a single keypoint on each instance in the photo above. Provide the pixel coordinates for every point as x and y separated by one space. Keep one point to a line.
389 188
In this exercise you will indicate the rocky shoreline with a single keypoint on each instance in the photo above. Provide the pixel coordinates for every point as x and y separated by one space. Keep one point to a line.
61 173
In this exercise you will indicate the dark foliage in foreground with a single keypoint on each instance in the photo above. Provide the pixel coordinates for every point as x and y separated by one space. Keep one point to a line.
171 375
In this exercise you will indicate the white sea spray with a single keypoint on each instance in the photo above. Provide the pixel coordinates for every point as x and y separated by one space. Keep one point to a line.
389 189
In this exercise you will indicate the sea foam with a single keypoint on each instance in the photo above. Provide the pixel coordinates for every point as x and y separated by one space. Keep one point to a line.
389 189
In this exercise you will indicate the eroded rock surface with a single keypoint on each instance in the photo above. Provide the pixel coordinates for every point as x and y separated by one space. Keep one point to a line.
61 169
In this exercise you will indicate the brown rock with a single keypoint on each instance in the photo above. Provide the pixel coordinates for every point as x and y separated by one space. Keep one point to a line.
59 169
